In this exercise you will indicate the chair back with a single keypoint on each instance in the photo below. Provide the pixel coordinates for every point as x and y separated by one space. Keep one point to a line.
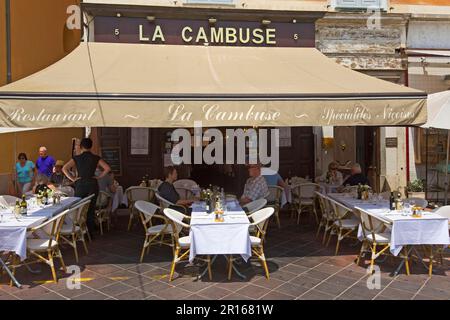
72 217
186 184
298 180
255 205
367 225
305 190
83 208
260 219
103 200
338 211
275 195
147 210
443 212
139 193
323 204
164 203
416 202
7 200
52 227
185 193
176 219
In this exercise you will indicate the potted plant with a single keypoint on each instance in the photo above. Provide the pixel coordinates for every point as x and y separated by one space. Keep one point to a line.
416 189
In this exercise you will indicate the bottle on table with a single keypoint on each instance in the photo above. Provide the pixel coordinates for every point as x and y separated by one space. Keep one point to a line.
23 206
359 191
17 207
45 197
392 201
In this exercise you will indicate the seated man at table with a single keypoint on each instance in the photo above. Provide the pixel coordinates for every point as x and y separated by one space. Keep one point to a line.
356 177
167 189
256 186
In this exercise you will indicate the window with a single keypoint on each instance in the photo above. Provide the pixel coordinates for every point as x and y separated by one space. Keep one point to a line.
359 4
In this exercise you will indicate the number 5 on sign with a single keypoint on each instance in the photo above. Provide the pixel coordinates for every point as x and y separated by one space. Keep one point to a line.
116 32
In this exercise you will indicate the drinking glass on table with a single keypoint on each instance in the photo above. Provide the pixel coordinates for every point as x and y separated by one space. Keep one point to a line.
406 209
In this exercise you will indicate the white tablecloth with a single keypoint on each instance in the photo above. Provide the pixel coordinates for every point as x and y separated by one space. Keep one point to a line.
211 238
13 232
430 229
118 198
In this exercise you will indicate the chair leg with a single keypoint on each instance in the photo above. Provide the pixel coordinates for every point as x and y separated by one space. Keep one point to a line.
130 221
299 212
277 216
406 262
430 269
264 263
172 268
13 269
330 235
88 234
143 249
363 248
52 265
230 266
100 222
63 265
84 243
209 268
339 238
372 258
75 249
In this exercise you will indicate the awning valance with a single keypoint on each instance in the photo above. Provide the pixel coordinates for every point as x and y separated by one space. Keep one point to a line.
133 85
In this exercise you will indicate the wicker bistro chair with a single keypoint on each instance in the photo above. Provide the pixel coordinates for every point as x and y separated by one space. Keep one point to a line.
343 226
254 206
260 220
147 212
8 200
103 210
185 193
164 203
82 222
46 241
71 232
181 244
134 194
327 218
443 212
303 197
375 236
274 201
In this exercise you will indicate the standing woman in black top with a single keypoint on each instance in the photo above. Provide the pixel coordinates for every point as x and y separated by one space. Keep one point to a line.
87 183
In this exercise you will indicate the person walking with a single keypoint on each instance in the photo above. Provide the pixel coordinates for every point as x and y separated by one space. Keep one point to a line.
44 163
24 174
86 183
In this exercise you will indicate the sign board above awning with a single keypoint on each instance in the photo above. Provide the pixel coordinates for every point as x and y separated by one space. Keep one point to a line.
137 85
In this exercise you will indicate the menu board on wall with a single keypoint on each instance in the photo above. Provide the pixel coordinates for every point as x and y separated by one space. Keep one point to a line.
112 157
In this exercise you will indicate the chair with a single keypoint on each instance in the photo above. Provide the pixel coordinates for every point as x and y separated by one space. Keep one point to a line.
47 243
164 203
303 197
103 210
84 208
134 194
342 226
326 220
186 184
260 221
181 243
254 205
274 201
147 211
71 231
416 202
185 193
443 212
8 200
374 237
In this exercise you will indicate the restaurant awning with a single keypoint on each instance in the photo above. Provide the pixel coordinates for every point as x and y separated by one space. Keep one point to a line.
141 85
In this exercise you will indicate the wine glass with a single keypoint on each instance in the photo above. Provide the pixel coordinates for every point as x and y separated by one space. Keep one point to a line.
406 209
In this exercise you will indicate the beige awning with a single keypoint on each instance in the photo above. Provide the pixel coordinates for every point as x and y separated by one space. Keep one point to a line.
133 85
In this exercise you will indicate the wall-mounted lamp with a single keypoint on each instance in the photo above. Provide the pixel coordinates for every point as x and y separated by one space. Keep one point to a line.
343 145
118 14
294 20
327 138
151 18
266 22
212 21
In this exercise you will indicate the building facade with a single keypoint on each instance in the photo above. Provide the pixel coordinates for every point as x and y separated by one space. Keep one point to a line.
34 35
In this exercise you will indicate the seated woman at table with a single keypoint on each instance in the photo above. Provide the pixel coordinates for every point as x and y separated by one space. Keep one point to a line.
332 176
167 189
43 184
356 177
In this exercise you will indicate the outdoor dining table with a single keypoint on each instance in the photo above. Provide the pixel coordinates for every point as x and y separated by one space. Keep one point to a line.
13 230
406 230
230 237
